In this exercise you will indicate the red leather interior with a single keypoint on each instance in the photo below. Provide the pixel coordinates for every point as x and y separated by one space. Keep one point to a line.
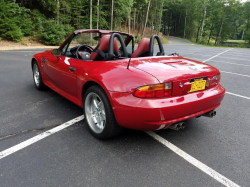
143 46
104 46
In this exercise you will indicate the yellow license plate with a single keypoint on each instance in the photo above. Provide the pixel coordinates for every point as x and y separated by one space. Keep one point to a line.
197 85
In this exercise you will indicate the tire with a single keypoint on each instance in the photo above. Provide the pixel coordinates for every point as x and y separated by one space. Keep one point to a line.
99 114
37 77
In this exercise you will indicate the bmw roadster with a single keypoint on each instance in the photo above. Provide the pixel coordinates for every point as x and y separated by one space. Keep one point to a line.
120 87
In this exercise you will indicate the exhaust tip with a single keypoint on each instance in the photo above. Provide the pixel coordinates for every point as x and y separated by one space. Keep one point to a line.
214 113
183 125
210 114
178 126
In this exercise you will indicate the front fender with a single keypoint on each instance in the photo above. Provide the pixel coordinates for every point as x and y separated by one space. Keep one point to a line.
36 57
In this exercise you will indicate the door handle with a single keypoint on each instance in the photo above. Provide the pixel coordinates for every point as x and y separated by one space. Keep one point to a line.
72 68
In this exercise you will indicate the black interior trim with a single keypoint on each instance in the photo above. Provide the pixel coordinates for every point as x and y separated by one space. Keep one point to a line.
151 46
111 45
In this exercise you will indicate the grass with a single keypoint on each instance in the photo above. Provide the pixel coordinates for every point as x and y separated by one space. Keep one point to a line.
23 42
212 41
236 41
164 40
192 41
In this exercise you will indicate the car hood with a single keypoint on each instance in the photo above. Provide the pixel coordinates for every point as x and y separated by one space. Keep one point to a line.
173 68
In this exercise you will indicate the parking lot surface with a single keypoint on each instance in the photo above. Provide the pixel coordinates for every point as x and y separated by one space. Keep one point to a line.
72 157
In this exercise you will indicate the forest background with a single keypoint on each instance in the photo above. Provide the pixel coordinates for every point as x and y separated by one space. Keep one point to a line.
210 22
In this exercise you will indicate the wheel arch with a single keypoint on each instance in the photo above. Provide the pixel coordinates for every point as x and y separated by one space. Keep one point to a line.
87 85
32 62
36 58
92 83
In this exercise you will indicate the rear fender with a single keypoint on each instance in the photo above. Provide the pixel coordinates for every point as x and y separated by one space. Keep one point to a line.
113 77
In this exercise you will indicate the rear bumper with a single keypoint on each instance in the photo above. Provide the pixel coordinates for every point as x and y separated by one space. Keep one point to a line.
151 114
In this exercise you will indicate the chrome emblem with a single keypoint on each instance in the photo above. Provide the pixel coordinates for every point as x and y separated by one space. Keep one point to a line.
192 68
181 85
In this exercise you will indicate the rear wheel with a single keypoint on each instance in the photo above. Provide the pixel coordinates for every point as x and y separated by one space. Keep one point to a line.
99 114
37 77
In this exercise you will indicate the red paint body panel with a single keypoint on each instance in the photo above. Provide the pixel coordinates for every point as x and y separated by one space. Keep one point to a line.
173 68
119 83
150 114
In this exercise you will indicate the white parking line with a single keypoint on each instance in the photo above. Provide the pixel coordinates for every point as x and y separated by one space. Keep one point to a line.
223 180
41 136
175 149
212 173
238 95
217 176
230 73
230 63
235 54
243 59
217 55
235 73
199 54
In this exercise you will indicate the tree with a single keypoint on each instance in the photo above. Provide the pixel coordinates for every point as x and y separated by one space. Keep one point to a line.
198 20
90 20
246 31
57 11
97 12
146 18
112 14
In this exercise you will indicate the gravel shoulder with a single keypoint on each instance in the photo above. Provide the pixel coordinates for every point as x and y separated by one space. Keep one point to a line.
26 43
178 41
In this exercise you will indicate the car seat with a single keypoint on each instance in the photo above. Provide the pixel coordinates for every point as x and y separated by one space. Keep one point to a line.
142 49
102 48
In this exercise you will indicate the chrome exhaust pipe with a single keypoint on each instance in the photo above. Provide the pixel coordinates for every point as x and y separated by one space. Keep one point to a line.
175 127
183 125
178 126
210 114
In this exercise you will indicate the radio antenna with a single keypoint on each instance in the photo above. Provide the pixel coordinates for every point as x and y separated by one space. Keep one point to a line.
129 63
133 45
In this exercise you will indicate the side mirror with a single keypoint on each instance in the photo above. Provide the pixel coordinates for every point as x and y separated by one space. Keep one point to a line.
56 52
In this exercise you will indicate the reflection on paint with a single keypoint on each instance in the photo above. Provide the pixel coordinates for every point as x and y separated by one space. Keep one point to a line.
199 95
181 99
66 61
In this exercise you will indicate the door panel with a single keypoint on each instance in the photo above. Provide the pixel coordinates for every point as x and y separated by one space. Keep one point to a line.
62 72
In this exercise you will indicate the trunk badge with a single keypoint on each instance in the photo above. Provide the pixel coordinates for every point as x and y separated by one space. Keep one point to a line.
181 85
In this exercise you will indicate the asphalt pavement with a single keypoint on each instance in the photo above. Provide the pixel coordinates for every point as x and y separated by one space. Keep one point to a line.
72 157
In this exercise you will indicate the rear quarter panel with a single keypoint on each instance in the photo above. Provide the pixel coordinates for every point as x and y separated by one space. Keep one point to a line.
113 76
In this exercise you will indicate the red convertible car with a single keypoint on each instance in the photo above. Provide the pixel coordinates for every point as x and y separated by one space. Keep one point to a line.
118 86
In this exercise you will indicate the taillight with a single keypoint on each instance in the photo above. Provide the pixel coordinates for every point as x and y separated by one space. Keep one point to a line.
214 81
207 82
218 76
154 91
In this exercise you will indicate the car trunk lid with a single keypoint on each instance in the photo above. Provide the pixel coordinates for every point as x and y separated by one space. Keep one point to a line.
178 70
